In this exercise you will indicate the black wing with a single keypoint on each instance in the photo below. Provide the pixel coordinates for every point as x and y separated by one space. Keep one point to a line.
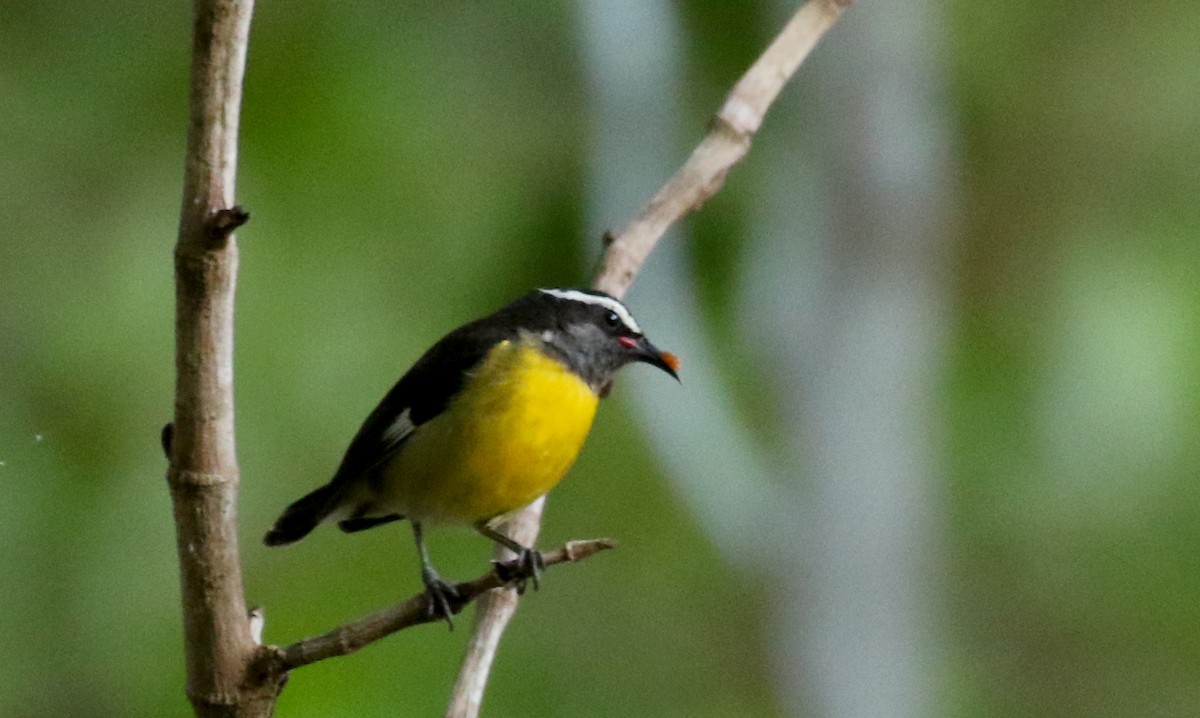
420 395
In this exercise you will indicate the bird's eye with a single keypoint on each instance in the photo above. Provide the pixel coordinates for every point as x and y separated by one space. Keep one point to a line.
612 319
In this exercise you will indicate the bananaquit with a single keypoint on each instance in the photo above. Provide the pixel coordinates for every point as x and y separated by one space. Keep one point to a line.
488 420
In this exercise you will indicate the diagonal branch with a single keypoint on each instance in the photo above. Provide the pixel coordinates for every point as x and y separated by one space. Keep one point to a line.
416 610
733 127
701 176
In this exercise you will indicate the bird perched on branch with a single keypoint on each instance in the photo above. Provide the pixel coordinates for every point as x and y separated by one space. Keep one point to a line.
488 420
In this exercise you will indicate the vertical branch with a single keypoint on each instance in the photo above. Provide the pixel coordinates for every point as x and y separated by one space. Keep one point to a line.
203 474
701 176
493 612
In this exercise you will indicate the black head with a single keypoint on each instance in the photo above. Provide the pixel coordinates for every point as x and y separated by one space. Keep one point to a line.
591 332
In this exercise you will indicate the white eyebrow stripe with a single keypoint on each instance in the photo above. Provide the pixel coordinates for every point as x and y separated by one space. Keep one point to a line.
574 295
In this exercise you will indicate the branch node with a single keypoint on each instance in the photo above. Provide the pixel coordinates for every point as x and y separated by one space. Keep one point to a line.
258 619
166 437
194 480
579 550
267 670
221 223
738 117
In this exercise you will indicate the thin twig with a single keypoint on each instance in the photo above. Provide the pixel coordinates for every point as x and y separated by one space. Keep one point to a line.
701 176
733 128
415 611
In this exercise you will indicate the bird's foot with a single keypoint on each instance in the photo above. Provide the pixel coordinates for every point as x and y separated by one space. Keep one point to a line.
527 567
444 599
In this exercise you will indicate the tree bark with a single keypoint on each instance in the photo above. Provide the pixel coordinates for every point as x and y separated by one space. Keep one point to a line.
203 473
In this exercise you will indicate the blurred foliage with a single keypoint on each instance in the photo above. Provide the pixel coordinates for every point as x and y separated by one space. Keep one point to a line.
411 165
1073 401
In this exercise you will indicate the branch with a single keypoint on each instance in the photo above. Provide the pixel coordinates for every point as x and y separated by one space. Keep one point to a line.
416 610
491 618
733 127
701 176
203 472
229 674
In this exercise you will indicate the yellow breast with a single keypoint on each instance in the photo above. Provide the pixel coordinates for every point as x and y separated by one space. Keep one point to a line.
508 437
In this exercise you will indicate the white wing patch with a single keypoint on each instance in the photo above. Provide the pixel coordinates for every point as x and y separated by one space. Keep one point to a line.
399 430
574 295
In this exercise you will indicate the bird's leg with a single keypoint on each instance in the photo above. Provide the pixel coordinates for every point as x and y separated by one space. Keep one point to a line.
442 595
529 560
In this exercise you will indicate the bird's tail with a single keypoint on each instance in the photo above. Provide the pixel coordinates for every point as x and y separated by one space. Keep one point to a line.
302 516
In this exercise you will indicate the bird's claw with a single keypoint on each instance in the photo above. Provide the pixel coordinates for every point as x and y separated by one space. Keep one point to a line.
528 566
444 599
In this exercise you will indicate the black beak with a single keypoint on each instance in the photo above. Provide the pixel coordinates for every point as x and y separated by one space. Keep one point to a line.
646 352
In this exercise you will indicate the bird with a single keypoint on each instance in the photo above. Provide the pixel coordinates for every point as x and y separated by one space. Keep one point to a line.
488 419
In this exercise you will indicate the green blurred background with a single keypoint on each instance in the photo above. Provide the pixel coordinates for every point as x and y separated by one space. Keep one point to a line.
411 165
